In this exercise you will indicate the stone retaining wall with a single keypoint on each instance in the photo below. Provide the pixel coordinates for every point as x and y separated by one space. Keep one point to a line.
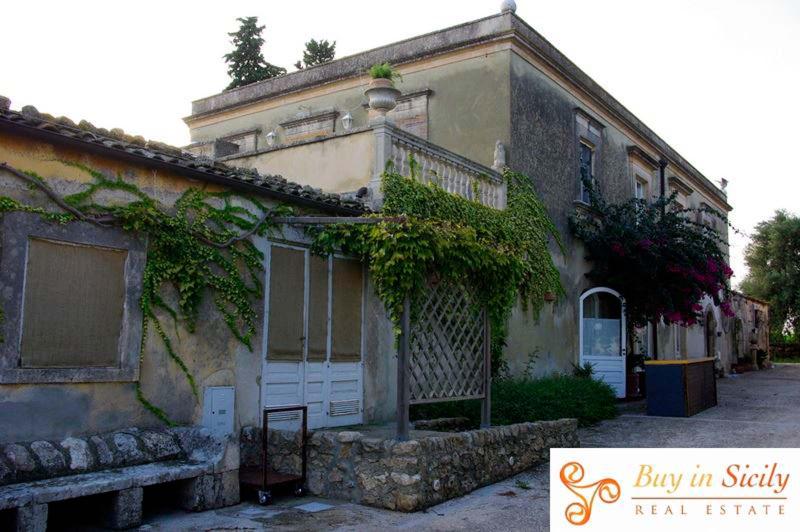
283 447
416 474
444 424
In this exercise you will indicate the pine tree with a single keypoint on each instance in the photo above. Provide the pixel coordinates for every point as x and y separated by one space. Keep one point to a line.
246 63
317 53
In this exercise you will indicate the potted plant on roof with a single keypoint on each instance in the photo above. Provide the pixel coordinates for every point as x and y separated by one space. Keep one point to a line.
381 92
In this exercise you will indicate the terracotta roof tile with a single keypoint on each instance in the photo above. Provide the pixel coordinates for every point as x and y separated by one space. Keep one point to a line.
117 140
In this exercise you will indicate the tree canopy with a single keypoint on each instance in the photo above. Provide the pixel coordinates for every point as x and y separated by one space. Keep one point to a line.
656 255
317 53
773 259
246 63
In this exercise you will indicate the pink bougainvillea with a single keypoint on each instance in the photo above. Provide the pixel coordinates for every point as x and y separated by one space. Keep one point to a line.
661 261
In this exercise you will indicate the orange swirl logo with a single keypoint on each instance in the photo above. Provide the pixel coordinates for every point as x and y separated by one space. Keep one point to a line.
607 489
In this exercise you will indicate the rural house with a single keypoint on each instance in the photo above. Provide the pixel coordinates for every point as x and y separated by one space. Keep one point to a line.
476 98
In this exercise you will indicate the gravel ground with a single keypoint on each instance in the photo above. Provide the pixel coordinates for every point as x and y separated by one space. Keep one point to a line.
755 410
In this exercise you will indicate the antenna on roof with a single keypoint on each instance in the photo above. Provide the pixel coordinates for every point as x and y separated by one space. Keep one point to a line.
508 6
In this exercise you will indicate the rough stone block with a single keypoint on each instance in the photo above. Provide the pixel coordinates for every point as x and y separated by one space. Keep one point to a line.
104 455
50 458
32 518
128 451
19 457
161 445
7 472
80 457
209 492
125 510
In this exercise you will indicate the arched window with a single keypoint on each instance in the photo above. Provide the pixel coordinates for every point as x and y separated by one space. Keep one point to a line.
602 323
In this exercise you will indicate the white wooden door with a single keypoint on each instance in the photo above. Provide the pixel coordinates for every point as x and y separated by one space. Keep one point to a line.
602 336
313 341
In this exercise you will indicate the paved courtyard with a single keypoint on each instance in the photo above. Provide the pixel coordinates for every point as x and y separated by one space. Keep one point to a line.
755 410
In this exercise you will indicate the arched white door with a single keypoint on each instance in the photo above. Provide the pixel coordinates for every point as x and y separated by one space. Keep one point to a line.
602 336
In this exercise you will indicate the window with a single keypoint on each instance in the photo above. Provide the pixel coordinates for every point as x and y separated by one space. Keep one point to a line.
71 299
69 322
346 313
641 188
602 325
707 216
589 141
586 161
642 167
684 193
287 293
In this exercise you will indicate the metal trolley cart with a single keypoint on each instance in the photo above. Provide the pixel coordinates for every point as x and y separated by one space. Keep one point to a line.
263 480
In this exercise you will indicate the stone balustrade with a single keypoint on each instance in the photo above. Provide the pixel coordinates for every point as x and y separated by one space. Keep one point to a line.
434 164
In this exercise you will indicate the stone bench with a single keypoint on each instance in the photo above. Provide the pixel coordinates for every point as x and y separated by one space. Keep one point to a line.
120 464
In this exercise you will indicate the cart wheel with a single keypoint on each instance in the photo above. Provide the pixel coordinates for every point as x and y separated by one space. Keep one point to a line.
264 497
299 491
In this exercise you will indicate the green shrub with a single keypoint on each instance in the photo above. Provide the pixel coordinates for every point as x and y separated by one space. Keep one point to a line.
383 71
520 400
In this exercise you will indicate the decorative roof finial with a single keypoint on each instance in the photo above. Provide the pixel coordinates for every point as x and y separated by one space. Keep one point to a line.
508 6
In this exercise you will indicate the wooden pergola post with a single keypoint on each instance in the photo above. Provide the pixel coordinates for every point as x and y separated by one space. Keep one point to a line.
402 372
486 403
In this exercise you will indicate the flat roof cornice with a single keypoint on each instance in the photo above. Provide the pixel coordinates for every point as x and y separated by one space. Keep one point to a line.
467 34
504 25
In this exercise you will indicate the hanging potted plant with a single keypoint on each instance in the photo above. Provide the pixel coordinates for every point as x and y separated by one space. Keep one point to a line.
382 93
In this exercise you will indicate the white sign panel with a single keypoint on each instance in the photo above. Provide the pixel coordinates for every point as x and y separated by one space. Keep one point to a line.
674 489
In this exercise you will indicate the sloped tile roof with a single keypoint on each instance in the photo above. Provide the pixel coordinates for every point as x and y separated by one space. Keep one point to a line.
117 142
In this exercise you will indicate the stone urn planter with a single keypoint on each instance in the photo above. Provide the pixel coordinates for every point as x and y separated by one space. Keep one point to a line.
382 95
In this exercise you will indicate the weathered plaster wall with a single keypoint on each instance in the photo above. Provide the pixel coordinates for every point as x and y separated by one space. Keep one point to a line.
468 109
212 354
544 145
339 164
32 411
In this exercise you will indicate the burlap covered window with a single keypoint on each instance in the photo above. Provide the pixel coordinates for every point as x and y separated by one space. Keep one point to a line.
318 309
286 293
346 317
73 305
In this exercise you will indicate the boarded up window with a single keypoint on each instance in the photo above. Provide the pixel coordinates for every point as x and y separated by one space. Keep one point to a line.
286 288
347 295
73 306
318 309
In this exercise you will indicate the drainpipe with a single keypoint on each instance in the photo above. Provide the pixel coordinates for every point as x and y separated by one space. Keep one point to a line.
662 166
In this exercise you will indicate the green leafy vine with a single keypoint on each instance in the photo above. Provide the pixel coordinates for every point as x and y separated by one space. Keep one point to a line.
503 255
202 244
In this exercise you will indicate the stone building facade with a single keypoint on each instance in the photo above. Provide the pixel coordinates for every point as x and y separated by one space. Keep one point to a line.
477 96
51 393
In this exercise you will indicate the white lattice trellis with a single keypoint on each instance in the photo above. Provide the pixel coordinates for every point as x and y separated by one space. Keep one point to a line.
447 347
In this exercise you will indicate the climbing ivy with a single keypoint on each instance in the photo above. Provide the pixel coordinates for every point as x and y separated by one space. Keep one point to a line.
502 254
200 246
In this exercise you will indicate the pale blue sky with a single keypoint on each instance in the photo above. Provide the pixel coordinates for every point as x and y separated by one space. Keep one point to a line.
717 79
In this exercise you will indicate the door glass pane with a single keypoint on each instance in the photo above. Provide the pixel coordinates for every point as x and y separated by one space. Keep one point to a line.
286 291
346 318
602 325
318 309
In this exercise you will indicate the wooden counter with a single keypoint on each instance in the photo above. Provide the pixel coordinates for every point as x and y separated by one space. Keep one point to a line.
680 388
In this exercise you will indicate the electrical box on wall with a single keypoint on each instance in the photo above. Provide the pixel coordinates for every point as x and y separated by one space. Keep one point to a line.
218 409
